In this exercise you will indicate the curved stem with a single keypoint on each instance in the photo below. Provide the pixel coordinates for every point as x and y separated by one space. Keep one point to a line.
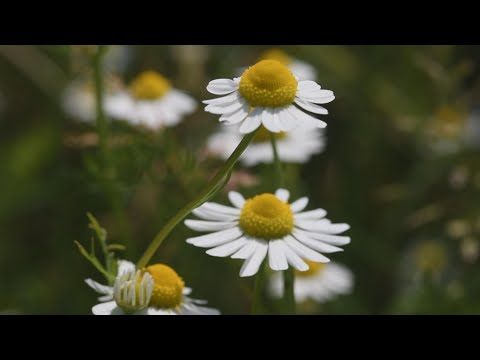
215 185
288 305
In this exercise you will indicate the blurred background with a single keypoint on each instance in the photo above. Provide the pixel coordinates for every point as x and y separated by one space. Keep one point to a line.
400 166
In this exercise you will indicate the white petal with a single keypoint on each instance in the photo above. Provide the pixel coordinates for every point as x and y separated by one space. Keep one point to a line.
199 225
316 226
299 204
99 288
108 308
311 107
236 199
154 311
295 260
315 244
329 239
270 120
215 239
305 252
236 116
223 100
306 119
286 119
228 210
312 214
317 97
187 291
308 85
282 194
252 122
247 250
211 215
252 264
227 108
125 266
222 86
276 255
105 298
228 248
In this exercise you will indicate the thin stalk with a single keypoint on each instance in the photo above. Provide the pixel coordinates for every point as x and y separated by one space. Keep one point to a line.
288 305
213 187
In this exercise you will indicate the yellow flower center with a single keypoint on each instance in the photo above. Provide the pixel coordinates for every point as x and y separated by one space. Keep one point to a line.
278 55
266 217
263 135
268 83
313 269
168 287
430 256
149 85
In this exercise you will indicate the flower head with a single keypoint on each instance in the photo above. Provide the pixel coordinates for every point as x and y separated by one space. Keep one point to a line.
267 224
268 93
150 101
300 69
155 290
321 282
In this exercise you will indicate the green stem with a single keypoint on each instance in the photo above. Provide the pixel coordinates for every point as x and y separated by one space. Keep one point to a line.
277 163
213 187
288 275
258 291
102 129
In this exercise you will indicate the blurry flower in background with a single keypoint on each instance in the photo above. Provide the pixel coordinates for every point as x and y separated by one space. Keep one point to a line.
79 98
156 290
268 93
150 101
296 146
241 179
444 132
267 224
430 257
321 282
300 69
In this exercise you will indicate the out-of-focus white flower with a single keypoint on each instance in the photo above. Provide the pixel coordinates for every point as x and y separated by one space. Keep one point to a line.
296 146
150 101
321 282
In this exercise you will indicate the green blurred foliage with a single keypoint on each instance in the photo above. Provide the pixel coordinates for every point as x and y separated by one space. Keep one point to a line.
383 172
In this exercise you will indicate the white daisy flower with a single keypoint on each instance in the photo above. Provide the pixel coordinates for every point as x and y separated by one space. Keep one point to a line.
300 69
268 93
158 290
321 282
151 102
267 224
296 146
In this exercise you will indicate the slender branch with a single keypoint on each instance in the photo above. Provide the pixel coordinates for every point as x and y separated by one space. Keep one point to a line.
215 185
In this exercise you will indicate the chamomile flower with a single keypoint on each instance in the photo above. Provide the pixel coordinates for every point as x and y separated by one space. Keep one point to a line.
155 290
296 146
267 224
300 69
321 282
150 101
268 93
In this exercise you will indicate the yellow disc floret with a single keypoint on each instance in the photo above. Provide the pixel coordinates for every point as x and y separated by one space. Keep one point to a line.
278 55
268 83
313 269
168 287
263 135
266 217
149 85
